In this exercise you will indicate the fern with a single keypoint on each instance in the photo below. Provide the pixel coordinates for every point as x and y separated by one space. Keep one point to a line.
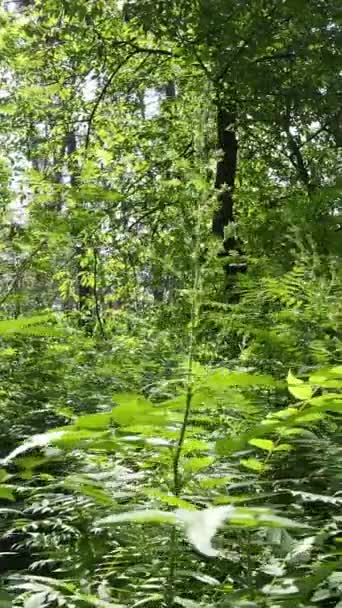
30 326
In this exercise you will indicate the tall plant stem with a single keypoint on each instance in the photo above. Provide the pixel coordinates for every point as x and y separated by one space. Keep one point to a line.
177 477
196 291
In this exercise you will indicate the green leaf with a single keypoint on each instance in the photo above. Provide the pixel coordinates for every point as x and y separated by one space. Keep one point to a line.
298 388
155 597
177 403
195 445
197 464
262 518
203 578
40 331
291 379
3 475
274 536
263 444
86 489
295 431
90 193
275 521
326 397
330 377
25 325
185 603
8 108
6 492
282 588
229 445
143 516
66 437
253 464
310 416
287 412
32 462
6 600
134 409
283 447
40 440
329 402
214 482
222 378
94 421
74 437
274 569
240 498
301 551
169 499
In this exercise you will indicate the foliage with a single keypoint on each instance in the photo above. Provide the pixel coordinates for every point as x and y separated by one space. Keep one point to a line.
170 332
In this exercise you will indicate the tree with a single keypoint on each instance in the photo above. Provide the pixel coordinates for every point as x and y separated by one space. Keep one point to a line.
170 250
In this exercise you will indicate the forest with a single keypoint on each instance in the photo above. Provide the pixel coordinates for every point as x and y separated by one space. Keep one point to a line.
170 304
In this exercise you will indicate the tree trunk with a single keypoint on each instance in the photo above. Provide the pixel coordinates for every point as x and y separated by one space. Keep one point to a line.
225 172
224 183
84 292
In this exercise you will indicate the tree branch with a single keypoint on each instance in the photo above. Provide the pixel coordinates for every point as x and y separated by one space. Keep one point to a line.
137 50
102 94
312 136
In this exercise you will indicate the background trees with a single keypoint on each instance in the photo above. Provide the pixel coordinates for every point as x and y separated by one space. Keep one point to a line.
170 211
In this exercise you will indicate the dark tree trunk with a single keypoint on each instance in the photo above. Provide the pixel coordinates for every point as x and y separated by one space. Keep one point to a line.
224 183
226 171
170 90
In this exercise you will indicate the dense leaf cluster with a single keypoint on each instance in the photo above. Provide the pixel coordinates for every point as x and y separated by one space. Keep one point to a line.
170 292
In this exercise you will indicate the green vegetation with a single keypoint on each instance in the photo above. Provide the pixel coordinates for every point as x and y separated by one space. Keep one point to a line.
171 304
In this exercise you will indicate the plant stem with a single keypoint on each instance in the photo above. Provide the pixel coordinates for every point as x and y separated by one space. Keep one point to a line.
177 478
195 311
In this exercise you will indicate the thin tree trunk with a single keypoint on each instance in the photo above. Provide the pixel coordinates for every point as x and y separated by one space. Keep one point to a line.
224 183
225 171
84 292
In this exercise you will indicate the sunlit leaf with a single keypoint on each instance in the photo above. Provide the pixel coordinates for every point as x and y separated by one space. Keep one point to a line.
81 486
185 603
330 377
263 444
283 447
94 421
30 326
298 388
274 569
253 464
133 409
36 441
6 492
197 464
37 600
143 516
3 475
282 588
203 578
169 499
301 551
222 378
